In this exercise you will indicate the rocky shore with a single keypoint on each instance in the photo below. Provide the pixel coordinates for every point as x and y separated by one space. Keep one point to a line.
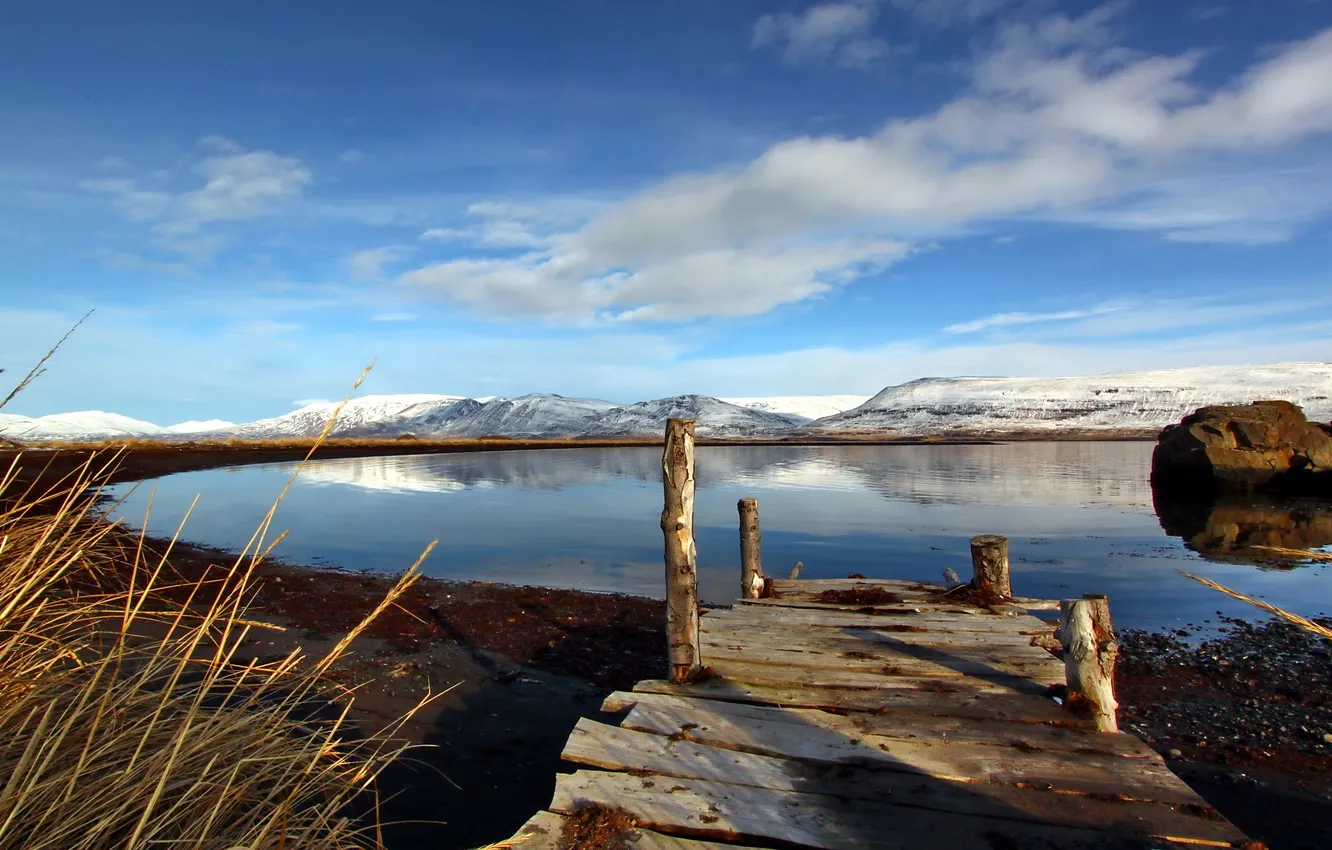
1243 714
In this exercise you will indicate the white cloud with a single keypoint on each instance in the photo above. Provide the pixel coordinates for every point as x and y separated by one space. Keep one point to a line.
128 261
942 13
220 144
394 317
238 186
369 264
1019 318
112 163
446 234
713 282
351 156
831 32
1059 122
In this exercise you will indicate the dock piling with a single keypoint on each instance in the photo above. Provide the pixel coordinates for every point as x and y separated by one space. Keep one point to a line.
989 563
751 556
677 525
1090 652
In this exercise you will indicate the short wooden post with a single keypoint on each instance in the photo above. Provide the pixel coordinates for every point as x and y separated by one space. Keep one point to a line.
1090 652
989 564
751 557
677 524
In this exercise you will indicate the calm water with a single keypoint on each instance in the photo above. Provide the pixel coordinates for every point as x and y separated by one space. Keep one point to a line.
1079 516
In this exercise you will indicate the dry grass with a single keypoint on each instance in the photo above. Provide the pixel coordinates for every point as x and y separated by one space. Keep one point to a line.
129 721
1302 622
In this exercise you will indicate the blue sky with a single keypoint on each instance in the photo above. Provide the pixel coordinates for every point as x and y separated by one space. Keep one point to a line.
632 200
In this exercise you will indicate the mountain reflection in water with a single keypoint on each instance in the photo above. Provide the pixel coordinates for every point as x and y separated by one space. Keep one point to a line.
1266 532
1079 516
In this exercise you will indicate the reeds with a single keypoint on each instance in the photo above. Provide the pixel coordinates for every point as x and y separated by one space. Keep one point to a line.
1302 622
132 721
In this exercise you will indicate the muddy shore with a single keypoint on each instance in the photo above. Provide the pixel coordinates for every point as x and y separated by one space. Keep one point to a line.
1245 718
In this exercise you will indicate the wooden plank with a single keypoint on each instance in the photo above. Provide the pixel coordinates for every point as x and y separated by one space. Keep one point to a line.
808 591
909 726
888 678
1008 762
957 703
612 748
776 634
543 830
929 621
740 813
914 660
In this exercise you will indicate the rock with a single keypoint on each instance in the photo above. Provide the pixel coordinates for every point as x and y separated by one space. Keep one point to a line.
1267 445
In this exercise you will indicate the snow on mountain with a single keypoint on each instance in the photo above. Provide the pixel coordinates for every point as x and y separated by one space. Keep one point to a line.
372 414
193 427
534 415
1128 401
1140 401
82 425
807 406
714 417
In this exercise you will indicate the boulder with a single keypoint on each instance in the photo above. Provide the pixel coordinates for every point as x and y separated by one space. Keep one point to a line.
1267 445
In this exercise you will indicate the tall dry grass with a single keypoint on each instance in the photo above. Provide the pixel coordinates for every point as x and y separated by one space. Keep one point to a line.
128 720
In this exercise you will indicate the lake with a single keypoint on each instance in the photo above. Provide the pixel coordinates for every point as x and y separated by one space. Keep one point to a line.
1079 517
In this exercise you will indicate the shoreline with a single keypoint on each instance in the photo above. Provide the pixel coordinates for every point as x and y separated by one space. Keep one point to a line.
528 662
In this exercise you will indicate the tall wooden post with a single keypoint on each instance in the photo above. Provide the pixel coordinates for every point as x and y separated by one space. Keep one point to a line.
989 563
677 524
751 557
1090 652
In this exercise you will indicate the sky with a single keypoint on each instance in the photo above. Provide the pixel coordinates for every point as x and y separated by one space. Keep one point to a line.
635 200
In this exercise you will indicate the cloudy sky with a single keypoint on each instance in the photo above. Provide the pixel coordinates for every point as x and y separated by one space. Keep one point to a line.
632 200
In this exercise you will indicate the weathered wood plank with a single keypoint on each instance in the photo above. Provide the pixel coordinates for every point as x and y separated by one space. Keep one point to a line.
819 635
915 659
908 726
1009 762
807 590
890 677
735 812
939 700
543 830
613 748
928 620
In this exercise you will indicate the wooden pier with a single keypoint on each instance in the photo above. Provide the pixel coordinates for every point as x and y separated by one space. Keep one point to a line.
858 713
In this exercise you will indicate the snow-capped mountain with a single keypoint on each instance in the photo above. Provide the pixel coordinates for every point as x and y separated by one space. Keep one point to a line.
1140 402
82 425
535 415
365 416
713 418
1129 401
193 427
808 406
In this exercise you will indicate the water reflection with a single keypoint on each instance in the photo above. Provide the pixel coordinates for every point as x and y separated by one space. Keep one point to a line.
1265 532
1044 473
1079 517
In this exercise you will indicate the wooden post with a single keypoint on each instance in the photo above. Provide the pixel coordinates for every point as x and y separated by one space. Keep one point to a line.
677 524
989 563
751 557
1090 651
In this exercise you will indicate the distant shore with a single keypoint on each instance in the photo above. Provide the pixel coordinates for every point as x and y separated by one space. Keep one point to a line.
140 459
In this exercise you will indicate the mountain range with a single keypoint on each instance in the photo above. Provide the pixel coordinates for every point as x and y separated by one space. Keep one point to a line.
1121 402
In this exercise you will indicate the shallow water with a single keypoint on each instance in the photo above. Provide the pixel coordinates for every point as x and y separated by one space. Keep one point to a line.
1079 516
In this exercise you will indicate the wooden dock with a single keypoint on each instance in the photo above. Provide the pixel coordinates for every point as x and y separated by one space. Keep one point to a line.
869 714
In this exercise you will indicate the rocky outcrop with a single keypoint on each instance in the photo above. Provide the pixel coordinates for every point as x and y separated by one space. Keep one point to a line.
1267 445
